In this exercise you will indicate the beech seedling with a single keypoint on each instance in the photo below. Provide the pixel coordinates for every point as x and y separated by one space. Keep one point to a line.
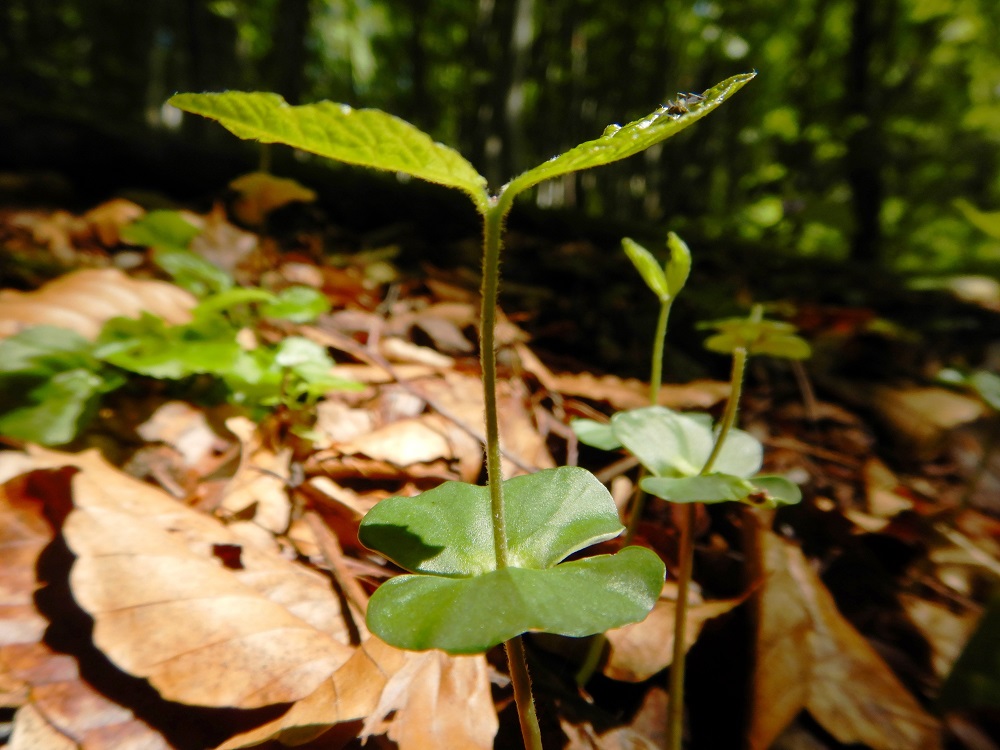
485 563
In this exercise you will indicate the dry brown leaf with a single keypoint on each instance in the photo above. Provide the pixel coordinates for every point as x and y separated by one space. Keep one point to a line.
437 701
922 417
56 707
640 650
259 484
261 193
623 393
809 657
946 630
84 300
184 428
221 243
177 600
106 220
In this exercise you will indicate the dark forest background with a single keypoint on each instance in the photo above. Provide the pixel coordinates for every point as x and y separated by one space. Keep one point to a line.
871 133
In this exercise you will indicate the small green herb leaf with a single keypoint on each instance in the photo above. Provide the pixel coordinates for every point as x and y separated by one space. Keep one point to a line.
619 143
471 615
160 229
192 272
987 385
365 137
299 304
53 411
596 434
448 530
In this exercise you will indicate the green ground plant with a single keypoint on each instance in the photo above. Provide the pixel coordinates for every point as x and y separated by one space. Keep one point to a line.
684 457
52 380
486 564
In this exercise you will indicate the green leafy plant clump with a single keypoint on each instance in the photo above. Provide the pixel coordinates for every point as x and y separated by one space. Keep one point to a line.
52 380
486 564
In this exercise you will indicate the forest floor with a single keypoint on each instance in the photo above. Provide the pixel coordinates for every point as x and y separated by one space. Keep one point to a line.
180 575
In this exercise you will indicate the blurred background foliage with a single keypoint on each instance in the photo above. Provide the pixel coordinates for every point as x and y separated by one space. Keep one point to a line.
867 122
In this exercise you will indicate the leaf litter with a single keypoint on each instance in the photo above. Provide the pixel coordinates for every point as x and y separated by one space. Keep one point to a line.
229 575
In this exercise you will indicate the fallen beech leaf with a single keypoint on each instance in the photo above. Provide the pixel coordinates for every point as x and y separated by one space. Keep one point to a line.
260 480
167 609
182 427
631 394
221 243
809 657
107 219
398 350
84 300
437 701
56 707
945 630
640 650
353 691
261 193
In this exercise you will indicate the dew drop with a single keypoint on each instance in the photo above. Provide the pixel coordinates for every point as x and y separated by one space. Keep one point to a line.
611 130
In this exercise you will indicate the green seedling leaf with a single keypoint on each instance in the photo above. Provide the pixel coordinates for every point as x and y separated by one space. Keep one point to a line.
471 615
679 267
766 492
670 444
364 137
299 304
773 338
53 412
618 143
596 434
161 229
192 272
448 530
648 268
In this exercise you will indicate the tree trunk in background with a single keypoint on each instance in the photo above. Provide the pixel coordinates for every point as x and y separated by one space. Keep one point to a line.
864 143
284 65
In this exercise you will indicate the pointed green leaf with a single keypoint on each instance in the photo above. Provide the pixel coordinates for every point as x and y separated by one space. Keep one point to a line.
364 137
988 222
471 615
679 266
448 530
191 271
619 143
595 434
648 268
299 304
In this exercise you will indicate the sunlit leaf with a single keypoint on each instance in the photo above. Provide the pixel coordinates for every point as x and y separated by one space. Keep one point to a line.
648 268
468 615
679 266
987 221
192 272
618 143
448 530
365 137
52 412
596 434
773 338
670 444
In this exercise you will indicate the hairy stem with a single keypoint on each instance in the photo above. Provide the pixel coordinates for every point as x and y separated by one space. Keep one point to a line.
517 662
521 682
675 708
492 230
